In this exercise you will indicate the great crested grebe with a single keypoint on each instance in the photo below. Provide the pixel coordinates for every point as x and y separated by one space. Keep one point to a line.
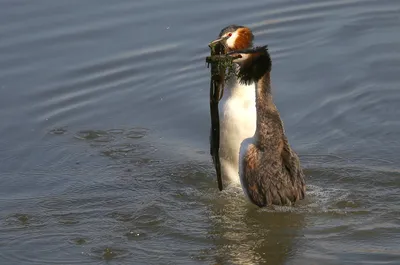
254 150
270 172
237 109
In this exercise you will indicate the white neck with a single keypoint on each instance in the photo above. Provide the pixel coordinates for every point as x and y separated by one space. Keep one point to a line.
234 88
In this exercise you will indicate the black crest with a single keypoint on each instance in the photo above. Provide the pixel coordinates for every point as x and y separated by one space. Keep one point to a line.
230 28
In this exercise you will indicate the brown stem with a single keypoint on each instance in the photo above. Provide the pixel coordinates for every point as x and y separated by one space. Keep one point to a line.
220 58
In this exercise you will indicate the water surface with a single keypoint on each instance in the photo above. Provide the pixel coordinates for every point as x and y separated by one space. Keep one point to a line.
105 121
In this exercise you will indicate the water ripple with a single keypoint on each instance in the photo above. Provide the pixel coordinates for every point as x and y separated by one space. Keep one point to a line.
105 127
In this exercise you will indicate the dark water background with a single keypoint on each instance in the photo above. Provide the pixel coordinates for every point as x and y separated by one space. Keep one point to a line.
104 126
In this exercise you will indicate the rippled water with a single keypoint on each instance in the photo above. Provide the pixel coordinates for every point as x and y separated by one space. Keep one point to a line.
104 133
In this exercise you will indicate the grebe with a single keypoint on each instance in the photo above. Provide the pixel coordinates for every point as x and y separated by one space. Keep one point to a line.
269 170
237 109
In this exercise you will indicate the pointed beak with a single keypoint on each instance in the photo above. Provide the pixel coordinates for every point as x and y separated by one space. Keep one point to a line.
217 41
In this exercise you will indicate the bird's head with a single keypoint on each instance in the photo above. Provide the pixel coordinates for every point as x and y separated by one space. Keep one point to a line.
237 41
234 37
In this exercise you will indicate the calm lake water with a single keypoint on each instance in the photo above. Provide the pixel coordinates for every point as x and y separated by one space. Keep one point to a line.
105 120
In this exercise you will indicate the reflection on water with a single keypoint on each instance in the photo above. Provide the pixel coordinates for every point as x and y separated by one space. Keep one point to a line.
244 234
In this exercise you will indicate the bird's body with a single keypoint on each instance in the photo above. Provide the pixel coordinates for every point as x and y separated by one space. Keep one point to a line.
270 170
237 111
253 144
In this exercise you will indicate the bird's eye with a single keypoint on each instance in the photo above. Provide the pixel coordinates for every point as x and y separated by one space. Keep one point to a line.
230 34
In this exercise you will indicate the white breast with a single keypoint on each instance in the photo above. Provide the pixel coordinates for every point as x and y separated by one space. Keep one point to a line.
237 112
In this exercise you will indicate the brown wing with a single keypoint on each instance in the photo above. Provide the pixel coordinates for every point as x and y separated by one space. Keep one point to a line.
269 181
251 177
291 163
